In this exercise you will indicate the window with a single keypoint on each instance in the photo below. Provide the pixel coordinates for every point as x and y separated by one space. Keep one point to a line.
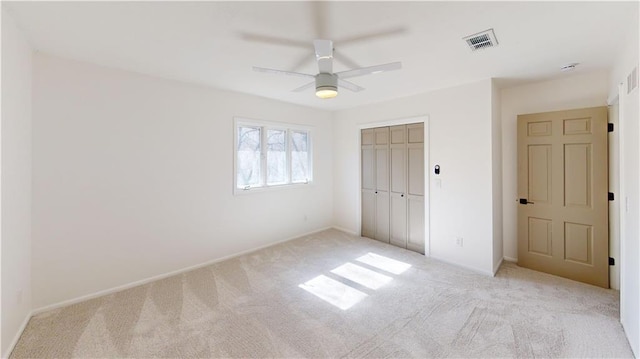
271 155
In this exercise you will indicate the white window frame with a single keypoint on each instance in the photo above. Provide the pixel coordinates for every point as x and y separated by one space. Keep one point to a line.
265 126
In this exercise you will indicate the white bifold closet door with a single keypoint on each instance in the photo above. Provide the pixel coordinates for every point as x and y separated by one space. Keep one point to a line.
393 185
398 174
368 167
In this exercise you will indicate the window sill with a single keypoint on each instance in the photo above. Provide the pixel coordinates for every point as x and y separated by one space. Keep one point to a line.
243 192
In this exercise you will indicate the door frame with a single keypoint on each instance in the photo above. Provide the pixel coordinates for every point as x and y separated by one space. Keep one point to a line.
424 119
615 172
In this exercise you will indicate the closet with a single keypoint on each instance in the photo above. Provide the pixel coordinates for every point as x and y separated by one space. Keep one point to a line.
392 186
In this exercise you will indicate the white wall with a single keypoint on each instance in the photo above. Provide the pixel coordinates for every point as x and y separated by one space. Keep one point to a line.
629 128
132 178
460 142
496 154
572 91
16 182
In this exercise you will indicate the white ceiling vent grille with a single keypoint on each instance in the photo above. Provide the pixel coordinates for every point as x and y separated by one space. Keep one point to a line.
481 40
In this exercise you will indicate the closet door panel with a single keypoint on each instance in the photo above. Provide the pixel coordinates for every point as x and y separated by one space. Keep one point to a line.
382 183
398 220
416 227
368 183
382 216
398 178
368 169
382 169
416 169
368 214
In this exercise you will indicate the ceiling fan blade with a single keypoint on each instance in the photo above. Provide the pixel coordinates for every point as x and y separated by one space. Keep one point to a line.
281 72
339 56
324 55
304 87
349 85
372 35
274 40
369 70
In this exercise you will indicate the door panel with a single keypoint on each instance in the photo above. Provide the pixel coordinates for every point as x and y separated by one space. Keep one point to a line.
416 169
398 220
415 133
368 169
539 174
578 243
540 236
382 184
398 173
368 214
398 176
368 179
382 135
577 175
398 168
415 240
367 137
562 172
398 134
382 168
382 216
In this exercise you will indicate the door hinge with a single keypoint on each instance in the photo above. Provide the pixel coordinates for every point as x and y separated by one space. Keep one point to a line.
611 197
612 261
609 127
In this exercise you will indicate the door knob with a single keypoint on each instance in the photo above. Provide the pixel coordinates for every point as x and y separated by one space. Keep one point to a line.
525 201
402 195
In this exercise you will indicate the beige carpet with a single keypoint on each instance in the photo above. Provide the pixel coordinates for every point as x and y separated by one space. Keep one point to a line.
293 300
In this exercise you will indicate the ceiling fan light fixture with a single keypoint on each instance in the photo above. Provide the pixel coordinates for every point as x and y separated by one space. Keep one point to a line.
326 85
327 91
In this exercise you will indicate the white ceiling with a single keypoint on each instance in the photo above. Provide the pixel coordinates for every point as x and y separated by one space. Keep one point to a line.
217 43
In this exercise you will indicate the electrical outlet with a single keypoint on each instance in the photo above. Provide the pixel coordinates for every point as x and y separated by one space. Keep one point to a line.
459 241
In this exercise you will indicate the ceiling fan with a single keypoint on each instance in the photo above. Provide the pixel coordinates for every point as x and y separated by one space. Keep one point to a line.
327 82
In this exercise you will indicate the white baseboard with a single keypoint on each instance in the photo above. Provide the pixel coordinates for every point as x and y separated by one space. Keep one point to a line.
497 266
164 275
346 230
23 326
510 259
476 270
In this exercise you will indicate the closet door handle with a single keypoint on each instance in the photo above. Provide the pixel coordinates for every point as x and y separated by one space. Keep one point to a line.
402 195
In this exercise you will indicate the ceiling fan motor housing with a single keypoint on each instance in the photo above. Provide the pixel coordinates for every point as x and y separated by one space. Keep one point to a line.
326 81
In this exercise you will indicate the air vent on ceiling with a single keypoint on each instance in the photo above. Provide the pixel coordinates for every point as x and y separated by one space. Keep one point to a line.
481 40
632 80
569 67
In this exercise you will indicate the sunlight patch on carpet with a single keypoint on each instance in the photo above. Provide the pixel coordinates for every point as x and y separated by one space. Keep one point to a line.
363 276
334 292
384 263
